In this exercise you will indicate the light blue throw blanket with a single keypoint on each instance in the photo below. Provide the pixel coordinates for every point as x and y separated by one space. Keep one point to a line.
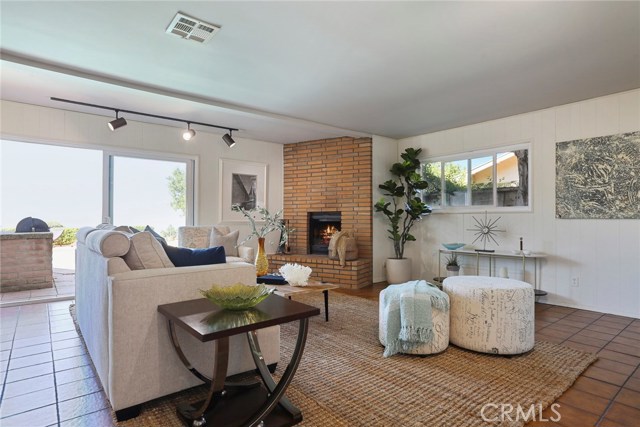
407 308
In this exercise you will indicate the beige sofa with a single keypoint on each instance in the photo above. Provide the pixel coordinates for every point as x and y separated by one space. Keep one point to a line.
127 338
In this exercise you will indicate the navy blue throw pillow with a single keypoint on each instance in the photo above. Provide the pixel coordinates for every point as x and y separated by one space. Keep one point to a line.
186 257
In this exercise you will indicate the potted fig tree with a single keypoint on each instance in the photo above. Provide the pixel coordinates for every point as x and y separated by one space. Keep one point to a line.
403 209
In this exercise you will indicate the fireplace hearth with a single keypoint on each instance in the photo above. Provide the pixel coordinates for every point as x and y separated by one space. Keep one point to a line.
322 225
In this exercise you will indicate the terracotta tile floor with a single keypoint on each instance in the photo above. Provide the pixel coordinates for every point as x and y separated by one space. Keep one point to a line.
47 379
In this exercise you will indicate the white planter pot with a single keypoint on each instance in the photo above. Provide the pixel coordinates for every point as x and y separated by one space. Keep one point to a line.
398 270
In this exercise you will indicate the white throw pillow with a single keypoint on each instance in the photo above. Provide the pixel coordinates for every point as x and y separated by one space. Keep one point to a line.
146 252
221 236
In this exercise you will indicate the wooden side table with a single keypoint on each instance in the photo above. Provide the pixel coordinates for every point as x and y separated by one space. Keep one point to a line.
246 404
313 286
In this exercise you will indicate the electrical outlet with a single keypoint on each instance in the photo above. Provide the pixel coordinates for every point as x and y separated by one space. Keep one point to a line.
575 282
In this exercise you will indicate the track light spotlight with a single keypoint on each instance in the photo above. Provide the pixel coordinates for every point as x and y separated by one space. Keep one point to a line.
228 139
117 123
189 133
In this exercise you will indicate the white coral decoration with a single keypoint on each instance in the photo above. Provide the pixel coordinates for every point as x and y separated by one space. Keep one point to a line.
295 274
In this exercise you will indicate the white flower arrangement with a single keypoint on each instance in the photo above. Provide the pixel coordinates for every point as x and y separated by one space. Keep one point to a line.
295 274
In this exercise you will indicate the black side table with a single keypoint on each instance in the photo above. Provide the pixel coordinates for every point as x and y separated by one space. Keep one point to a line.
239 404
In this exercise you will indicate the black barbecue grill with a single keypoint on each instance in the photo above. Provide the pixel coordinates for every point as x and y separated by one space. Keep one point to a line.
30 225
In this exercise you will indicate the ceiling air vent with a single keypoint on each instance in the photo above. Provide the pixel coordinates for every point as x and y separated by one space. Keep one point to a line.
191 28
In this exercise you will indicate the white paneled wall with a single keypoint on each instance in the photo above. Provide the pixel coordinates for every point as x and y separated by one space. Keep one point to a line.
603 255
384 155
24 122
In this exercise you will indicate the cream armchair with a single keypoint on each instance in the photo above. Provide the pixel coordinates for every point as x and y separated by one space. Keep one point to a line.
206 236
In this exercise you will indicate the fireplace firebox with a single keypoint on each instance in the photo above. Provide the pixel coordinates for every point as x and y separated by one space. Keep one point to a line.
322 225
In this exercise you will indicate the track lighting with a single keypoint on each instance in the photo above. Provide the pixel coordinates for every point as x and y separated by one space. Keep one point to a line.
120 121
117 123
189 133
228 139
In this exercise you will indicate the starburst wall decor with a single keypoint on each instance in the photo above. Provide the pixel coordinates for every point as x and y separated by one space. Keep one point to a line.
485 230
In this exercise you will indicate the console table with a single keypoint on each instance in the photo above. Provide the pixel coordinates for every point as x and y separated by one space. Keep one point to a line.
534 256
248 403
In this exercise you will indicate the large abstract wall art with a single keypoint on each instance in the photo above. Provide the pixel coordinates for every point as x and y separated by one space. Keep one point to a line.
599 178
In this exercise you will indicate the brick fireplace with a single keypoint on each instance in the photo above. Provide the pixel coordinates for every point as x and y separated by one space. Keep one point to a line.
329 176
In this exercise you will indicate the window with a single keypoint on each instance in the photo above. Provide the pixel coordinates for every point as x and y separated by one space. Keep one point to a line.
492 179
150 192
455 182
482 181
70 187
60 185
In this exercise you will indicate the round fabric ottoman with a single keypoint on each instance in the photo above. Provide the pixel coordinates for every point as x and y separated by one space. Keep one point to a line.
491 314
440 340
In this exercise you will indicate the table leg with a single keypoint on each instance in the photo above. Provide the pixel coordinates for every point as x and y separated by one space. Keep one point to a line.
277 391
216 383
183 358
267 379
326 305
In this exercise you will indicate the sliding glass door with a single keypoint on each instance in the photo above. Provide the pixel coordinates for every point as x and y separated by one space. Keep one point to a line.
60 185
70 187
154 192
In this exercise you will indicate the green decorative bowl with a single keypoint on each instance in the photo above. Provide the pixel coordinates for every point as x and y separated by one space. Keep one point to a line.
238 296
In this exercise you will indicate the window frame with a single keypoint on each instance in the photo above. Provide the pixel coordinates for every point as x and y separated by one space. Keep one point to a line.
468 156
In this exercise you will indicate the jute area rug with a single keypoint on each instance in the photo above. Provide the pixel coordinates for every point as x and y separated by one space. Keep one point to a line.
343 380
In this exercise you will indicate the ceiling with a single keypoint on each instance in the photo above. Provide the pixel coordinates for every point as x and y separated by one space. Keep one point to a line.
293 71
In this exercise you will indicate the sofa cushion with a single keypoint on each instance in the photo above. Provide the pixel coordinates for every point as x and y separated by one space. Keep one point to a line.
116 265
158 237
108 243
146 252
187 257
194 236
221 236
222 229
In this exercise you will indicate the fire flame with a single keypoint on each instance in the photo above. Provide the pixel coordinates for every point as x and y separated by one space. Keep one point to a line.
326 234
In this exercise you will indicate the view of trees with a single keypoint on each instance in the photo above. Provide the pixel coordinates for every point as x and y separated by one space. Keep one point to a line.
177 188
455 176
511 190
455 179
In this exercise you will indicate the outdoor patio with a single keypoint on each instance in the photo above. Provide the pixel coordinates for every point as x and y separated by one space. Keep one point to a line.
63 282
